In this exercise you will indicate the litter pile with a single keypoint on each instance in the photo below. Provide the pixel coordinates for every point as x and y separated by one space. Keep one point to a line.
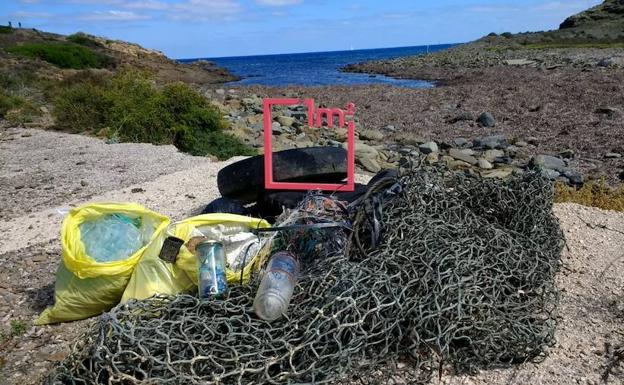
463 280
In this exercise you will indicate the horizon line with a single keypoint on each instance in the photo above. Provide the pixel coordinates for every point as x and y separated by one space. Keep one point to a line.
313 52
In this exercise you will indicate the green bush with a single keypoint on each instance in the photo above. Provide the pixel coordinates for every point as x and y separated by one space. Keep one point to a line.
9 102
83 39
507 35
63 55
6 29
130 107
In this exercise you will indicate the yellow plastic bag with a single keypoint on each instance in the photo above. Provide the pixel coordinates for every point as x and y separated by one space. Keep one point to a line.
85 287
154 276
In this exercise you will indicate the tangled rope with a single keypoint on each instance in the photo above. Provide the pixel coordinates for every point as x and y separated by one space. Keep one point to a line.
464 280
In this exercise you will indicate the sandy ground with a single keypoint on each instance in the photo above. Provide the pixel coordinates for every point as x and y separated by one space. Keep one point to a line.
179 185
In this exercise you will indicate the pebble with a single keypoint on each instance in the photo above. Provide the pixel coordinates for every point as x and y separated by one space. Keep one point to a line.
612 155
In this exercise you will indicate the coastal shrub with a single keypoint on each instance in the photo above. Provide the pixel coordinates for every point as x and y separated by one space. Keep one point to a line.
593 194
132 108
6 29
83 39
9 102
63 55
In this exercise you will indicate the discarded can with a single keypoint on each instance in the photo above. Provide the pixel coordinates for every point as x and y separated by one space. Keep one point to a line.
277 286
212 279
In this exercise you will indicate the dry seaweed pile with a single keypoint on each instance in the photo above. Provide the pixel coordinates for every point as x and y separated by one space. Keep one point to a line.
464 280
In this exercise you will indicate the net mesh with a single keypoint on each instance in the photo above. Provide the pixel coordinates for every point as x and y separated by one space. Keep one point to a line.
464 280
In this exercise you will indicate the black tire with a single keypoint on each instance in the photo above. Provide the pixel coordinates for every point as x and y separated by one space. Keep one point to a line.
244 180
272 203
225 205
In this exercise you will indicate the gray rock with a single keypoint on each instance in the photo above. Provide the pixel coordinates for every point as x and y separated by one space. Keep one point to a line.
486 120
548 162
459 155
390 128
492 155
277 129
285 121
512 151
611 61
575 177
371 135
467 151
497 173
432 158
428 148
220 91
369 164
521 143
532 140
612 155
461 116
460 142
550 174
484 164
409 139
519 62
610 112
363 150
491 142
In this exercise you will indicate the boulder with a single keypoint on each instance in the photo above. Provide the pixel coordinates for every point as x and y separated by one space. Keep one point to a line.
612 155
428 147
486 120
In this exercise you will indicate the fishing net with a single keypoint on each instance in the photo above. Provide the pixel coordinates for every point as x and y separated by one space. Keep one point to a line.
463 280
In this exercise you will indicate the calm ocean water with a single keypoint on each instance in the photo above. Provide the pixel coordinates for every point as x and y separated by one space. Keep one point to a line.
318 68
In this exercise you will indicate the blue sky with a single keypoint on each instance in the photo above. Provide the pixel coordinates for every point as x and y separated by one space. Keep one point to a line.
213 28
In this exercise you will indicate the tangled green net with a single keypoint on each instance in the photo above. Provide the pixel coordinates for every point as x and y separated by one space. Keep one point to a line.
463 281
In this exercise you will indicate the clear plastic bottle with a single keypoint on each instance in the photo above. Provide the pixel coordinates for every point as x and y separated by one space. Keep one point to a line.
212 280
277 286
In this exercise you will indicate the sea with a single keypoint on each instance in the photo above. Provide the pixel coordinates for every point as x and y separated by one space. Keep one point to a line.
318 68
